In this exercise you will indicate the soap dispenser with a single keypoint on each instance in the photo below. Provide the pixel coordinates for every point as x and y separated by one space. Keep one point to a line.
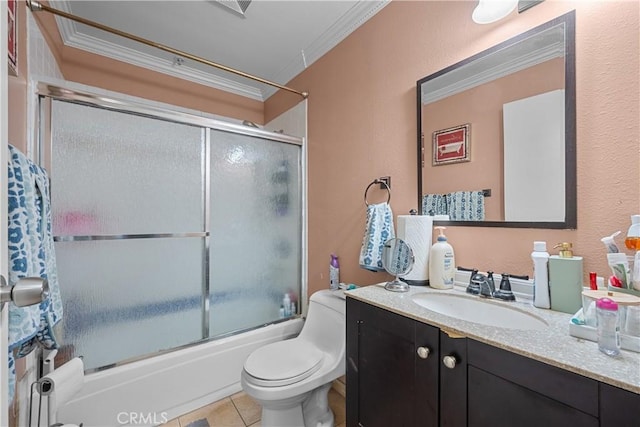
442 263
565 279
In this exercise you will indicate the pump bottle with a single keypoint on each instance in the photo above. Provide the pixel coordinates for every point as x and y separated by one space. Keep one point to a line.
441 263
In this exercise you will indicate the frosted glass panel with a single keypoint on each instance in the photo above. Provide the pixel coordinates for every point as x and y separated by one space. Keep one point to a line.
124 174
255 230
126 298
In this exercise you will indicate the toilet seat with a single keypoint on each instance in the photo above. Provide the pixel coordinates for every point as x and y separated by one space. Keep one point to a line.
283 363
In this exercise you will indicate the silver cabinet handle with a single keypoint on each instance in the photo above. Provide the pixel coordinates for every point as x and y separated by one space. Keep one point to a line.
449 361
423 352
28 291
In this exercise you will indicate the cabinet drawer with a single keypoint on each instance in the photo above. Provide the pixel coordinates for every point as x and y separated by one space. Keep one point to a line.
567 387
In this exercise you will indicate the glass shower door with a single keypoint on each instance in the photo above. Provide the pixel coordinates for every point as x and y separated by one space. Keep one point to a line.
256 229
128 208
169 229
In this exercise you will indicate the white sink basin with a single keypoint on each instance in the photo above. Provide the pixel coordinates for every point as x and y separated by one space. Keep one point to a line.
476 310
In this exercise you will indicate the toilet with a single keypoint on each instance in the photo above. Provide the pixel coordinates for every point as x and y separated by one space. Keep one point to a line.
291 379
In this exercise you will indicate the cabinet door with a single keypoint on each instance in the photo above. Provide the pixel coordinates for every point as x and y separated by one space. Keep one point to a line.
453 381
493 401
382 369
618 407
426 408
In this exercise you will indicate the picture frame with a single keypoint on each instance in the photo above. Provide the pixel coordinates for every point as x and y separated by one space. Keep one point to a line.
452 145
12 48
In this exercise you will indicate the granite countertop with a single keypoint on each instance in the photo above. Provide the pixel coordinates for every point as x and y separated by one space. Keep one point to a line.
552 345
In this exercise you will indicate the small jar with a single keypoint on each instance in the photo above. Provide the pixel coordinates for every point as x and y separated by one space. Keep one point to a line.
608 326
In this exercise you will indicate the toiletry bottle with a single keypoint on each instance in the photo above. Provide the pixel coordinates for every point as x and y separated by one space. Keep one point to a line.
441 263
286 304
540 258
610 243
633 242
565 280
334 273
633 235
608 326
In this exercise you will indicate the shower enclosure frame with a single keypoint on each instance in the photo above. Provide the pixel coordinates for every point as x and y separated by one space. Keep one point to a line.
42 154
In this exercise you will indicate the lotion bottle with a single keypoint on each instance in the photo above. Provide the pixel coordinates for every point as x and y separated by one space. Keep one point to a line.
565 280
441 263
540 258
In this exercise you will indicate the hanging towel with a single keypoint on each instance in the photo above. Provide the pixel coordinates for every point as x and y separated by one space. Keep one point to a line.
434 204
466 205
379 229
31 254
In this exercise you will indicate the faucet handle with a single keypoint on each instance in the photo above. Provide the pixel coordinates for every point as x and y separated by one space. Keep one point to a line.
504 293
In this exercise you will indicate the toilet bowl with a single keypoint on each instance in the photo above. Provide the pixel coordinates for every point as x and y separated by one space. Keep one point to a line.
291 379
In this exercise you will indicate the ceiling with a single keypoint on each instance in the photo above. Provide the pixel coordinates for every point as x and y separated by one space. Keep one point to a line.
274 40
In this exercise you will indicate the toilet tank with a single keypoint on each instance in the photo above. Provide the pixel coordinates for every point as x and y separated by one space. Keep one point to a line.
325 324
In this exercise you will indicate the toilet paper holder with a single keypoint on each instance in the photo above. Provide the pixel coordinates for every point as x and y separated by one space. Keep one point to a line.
44 387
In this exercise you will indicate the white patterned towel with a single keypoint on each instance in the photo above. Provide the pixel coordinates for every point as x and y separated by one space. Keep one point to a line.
379 229
31 254
466 205
434 204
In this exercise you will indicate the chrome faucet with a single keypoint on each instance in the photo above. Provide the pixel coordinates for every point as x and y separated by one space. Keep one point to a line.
484 285
488 286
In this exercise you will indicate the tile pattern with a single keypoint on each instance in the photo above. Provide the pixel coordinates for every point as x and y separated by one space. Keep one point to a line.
240 410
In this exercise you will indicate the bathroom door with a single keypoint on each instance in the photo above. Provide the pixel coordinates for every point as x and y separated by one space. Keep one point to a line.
4 413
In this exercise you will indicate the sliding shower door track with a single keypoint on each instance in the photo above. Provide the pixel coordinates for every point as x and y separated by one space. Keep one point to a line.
127 236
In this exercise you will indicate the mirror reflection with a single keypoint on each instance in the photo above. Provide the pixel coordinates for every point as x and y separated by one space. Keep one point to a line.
398 260
497 134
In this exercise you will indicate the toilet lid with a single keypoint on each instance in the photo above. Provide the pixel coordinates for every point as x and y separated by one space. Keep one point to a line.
283 362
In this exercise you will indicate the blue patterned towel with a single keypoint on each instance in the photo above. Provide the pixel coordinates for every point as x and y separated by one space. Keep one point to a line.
466 205
379 229
434 204
31 254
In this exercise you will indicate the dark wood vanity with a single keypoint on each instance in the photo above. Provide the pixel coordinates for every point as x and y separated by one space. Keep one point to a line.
402 372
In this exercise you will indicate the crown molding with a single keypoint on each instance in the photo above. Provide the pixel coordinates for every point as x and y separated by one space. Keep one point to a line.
72 38
349 22
522 62
360 13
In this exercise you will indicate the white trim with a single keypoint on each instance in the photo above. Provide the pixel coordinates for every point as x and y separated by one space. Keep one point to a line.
349 22
360 13
536 57
4 138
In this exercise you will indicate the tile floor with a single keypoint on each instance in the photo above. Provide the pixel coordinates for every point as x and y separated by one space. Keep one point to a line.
240 410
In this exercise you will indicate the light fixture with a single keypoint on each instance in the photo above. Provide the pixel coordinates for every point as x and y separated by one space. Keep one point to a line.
489 11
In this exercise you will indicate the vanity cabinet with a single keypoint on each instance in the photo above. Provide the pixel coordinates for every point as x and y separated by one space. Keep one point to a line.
394 373
401 372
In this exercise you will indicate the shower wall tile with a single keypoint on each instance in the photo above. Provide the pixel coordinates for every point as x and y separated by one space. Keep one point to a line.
41 61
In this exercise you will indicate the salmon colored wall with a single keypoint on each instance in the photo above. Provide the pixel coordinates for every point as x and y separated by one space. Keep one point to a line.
17 86
362 125
481 106
86 68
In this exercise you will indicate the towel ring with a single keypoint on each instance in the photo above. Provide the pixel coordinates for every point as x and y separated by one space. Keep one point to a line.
378 181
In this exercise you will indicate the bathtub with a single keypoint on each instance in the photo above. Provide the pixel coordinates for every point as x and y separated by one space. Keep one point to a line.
156 390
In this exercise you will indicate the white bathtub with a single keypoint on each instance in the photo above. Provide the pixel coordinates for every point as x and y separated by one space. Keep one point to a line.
155 390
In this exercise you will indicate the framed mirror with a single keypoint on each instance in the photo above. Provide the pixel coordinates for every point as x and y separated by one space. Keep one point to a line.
497 134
